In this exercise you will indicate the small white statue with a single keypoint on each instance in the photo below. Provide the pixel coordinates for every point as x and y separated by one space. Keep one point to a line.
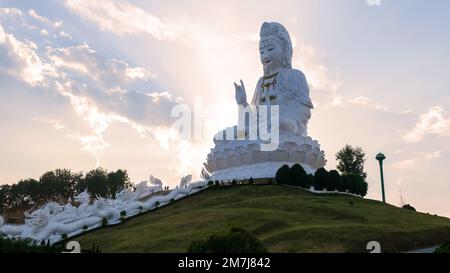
185 181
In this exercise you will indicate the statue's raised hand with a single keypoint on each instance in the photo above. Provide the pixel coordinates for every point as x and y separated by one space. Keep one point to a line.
241 96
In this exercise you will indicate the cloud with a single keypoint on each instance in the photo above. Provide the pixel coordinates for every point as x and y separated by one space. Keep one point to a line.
318 75
82 60
373 2
94 86
366 102
418 158
36 16
436 121
19 58
121 18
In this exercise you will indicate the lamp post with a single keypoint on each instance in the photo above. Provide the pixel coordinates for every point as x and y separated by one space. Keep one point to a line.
380 157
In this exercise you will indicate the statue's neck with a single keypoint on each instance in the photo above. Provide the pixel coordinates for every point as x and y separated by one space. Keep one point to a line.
275 71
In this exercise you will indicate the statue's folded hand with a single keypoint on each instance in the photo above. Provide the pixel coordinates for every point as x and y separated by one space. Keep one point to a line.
241 96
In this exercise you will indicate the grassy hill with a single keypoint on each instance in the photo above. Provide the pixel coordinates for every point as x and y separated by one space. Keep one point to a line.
284 219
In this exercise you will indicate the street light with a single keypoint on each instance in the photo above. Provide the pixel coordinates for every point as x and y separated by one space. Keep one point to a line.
380 157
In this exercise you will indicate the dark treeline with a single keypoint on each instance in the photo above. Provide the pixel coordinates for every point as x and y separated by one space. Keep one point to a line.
322 179
60 185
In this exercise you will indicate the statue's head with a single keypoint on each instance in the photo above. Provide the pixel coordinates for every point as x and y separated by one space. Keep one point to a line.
275 47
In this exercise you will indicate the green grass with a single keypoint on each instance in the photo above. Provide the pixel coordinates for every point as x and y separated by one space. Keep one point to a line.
284 219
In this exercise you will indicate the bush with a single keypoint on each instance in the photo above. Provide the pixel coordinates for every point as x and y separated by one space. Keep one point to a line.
310 181
104 221
320 180
334 181
445 248
236 241
217 183
210 183
95 249
250 181
123 213
26 246
355 184
409 207
299 177
234 182
85 227
64 236
283 176
157 204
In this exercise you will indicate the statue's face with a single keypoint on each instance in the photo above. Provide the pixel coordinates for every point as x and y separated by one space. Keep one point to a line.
271 54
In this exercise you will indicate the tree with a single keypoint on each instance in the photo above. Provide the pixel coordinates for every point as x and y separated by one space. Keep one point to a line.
334 181
355 184
283 176
409 207
59 184
4 192
118 181
299 176
310 181
351 161
97 182
321 177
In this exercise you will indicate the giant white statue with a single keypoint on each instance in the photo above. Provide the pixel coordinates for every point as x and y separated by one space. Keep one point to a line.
272 129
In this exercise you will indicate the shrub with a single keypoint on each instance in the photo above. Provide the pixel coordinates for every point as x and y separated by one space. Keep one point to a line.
334 181
95 249
409 207
123 213
104 221
320 180
8 245
236 241
210 183
250 181
310 181
445 248
234 182
85 227
157 204
283 176
64 236
299 177
355 184
217 183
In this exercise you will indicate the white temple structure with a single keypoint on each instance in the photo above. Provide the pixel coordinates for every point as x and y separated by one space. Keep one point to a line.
275 130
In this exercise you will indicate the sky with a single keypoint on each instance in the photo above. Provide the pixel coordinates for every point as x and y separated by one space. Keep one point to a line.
90 83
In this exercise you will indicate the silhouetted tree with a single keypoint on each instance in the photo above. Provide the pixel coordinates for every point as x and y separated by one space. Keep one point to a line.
299 177
320 179
355 184
118 181
283 175
351 161
97 182
334 181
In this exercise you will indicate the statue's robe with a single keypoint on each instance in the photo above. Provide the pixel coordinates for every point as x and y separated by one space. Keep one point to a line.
291 93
